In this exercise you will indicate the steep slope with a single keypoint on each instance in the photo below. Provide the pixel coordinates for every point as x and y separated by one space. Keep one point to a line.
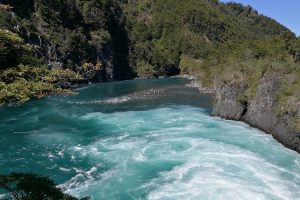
163 33
69 34
250 61
48 46
259 83
149 36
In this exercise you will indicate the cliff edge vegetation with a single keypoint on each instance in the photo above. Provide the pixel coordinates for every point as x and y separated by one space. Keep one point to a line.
47 47
66 43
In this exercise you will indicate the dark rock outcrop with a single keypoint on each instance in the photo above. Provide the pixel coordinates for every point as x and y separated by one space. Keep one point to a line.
262 108
226 103
260 111
297 56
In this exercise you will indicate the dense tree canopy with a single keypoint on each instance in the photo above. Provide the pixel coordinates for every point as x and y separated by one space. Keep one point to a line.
103 40
21 186
162 31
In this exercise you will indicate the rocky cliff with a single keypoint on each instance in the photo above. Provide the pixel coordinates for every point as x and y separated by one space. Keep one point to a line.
262 111
71 34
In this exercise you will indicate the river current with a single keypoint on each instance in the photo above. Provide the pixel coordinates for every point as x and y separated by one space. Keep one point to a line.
145 139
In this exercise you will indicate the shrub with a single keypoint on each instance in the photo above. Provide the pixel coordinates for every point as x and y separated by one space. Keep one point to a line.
23 82
20 186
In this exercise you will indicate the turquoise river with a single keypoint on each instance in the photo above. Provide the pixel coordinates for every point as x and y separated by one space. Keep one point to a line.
145 139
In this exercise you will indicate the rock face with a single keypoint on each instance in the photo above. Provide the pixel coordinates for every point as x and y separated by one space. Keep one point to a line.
262 108
226 103
260 111
70 34
297 56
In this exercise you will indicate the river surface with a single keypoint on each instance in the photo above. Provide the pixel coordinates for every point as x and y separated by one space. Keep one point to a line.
145 139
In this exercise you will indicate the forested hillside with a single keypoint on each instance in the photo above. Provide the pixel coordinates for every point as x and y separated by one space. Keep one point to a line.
50 46
47 46
163 33
248 60
69 34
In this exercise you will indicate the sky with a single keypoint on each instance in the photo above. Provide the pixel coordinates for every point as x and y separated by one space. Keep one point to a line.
286 12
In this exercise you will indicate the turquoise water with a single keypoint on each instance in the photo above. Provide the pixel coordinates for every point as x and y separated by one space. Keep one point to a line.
145 139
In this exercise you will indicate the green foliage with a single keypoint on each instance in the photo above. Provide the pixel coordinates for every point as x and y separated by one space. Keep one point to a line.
21 186
289 93
71 31
13 50
62 76
89 70
145 70
21 91
247 63
189 65
23 82
218 42
162 31
157 33
23 72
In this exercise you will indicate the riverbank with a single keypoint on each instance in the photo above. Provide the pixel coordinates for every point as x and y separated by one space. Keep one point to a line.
260 112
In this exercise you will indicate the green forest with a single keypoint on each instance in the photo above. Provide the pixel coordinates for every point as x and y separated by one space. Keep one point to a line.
49 47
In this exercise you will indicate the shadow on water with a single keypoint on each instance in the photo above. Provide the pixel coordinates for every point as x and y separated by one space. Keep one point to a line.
120 96
63 112
135 95
138 95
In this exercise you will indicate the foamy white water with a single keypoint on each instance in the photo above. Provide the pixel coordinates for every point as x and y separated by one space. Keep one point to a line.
182 153
137 145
